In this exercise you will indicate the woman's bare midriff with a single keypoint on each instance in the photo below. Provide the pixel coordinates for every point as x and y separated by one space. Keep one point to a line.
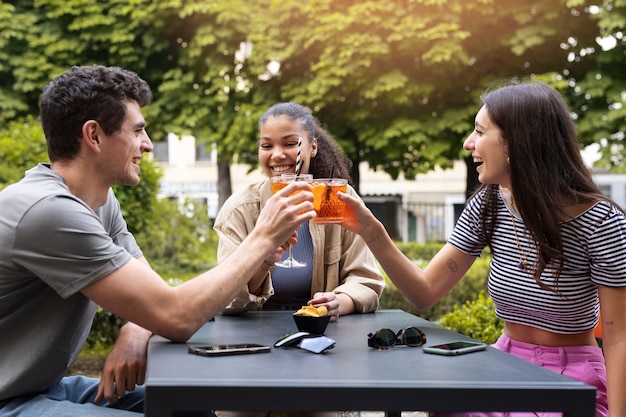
536 336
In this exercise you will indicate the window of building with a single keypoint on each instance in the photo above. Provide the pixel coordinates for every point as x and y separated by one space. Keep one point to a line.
386 209
605 189
204 152
161 151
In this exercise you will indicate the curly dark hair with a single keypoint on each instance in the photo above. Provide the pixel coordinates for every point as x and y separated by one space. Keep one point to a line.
86 93
330 157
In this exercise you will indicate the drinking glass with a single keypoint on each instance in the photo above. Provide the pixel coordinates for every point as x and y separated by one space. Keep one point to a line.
278 183
329 208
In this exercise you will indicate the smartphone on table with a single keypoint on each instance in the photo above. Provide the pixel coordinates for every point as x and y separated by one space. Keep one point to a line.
230 349
455 348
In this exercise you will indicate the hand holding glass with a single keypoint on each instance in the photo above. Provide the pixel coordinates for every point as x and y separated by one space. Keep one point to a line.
328 207
278 183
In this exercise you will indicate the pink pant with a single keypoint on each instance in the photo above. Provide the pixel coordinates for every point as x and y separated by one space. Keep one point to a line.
582 363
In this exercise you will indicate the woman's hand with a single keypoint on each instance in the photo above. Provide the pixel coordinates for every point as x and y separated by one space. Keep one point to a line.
336 304
359 219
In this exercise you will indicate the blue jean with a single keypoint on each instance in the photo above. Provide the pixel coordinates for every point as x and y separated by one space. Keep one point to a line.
73 397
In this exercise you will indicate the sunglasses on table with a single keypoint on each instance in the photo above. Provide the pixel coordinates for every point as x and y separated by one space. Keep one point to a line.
386 338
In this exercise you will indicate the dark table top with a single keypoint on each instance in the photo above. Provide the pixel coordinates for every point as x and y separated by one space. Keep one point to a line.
350 376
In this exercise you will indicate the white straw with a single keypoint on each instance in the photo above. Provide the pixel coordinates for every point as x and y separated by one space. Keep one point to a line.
298 162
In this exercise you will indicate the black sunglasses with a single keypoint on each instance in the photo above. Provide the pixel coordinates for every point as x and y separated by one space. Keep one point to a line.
386 338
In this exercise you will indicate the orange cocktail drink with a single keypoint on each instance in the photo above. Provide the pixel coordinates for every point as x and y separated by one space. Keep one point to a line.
278 183
328 207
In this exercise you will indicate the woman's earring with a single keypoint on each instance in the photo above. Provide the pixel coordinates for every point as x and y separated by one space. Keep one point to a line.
508 160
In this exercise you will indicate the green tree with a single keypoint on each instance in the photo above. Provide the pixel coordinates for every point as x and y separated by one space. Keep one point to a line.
42 38
396 82
13 31
207 91
185 50
597 92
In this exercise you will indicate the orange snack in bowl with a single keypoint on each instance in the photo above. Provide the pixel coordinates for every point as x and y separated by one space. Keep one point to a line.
311 311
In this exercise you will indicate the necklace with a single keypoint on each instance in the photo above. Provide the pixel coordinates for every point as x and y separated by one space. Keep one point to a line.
523 257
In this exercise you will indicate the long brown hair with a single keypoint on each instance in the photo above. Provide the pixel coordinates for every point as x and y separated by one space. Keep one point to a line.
548 174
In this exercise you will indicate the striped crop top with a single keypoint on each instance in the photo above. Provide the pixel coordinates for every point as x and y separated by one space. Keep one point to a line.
595 250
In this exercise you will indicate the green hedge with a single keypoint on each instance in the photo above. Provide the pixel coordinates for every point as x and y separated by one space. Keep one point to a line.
466 290
104 329
475 319
466 309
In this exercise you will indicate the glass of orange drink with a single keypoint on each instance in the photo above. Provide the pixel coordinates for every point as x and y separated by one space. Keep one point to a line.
278 183
328 207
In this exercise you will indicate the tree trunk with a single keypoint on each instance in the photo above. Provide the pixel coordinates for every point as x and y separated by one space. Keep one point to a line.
355 174
224 186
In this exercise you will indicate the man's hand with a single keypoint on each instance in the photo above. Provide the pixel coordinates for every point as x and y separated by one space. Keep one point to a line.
125 367
285 211
278 253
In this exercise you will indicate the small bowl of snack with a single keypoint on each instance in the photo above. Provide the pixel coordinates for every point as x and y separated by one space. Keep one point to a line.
312 319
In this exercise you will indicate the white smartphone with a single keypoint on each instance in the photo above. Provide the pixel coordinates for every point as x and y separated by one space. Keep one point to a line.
233 349
455 348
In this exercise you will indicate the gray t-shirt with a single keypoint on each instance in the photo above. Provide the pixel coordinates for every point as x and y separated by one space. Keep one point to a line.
52 245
